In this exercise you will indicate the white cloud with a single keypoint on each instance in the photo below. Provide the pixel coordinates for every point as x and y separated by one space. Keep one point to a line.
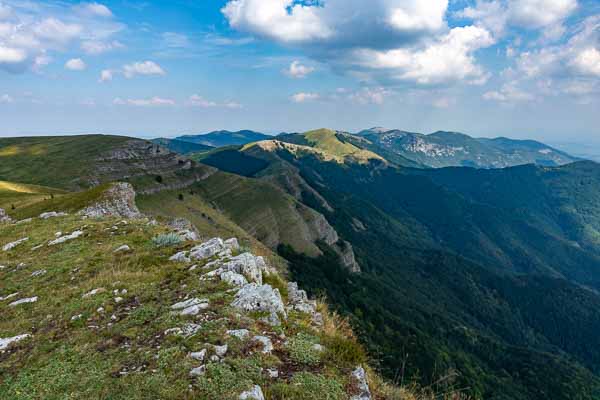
304 97
443 102
365 96
196 100
495 15
383 40
142 68
106 75
540 13
175 40
199 101
30 32
509 93
297 70
96 47
587 62
75 64
151 102
95 9
450 59
5 98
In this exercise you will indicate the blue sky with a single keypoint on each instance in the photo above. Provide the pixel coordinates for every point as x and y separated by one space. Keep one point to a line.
517 68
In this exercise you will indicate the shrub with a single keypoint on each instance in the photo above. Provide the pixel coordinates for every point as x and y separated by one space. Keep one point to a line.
167 240
343 352
221 382
301 349
307 386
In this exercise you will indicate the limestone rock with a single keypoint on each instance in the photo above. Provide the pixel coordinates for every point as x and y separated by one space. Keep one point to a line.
52 214
118 201
122 249
207 249
359 377
198 371
248 265
65 238
5 342
12 245
253 394
94 292
199 355
180 257
191 306
221 350
241 334
233 278
298 300
265 341
23 301
232 244
253 297
4 218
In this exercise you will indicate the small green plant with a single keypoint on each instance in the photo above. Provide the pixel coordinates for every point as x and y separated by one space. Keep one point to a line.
308 386
344 352
302 349
180 197
167 240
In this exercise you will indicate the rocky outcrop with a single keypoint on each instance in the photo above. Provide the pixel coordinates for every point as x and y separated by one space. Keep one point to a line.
52 214
4 218
253 297
65 238
118 201
5 342
359 379
253 394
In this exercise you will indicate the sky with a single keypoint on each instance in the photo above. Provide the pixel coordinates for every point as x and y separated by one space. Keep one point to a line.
516 68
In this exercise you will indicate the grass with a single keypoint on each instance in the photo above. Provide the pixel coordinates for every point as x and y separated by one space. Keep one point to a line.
52 161
327 140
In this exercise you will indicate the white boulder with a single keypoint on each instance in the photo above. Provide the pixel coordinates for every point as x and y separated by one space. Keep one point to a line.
4 343
65 238
23 301
12 245
207 249
253 297
253 394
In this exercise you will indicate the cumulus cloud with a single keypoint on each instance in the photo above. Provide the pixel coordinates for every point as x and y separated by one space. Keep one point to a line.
297 70
587 62
94 9
75 64
403 41
106 75
142 68
449 59
151 102
31 32
304 97
496 15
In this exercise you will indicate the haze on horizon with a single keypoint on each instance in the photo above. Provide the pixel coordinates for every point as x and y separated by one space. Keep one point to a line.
515 68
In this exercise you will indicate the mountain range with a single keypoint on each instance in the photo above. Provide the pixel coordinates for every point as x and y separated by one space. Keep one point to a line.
485 279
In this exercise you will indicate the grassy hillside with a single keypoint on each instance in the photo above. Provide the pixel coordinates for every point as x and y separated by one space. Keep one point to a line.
100 323
58 161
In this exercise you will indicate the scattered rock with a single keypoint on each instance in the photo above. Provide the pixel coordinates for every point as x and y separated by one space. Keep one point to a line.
23 301
4 218
118 201
220 351
273 373
198 371
66 238
188 235
76 317
4 343
24 221
253 297
12 245
247 265
207 249
52 214
241 334
180 257
191 306
39 273
232 244
254 394
359 377
266 343
298 300
10 296
94 292
199 355
318 347
233 278
39 246
122 249
189 330
119 300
